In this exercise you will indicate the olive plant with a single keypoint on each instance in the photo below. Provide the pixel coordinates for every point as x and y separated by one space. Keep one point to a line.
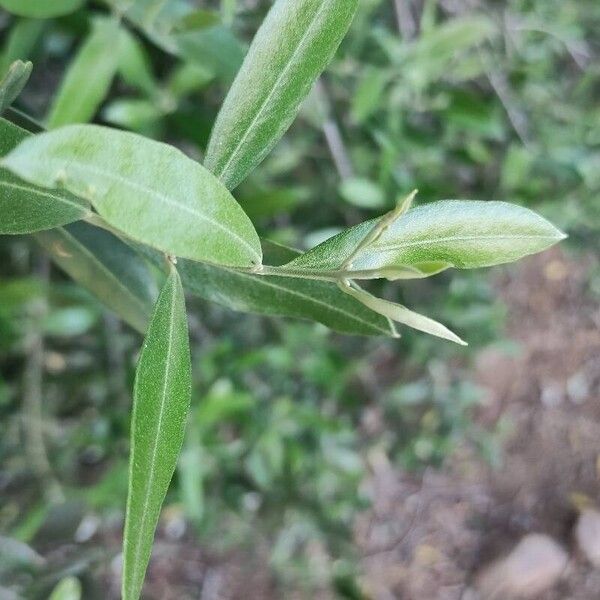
113 208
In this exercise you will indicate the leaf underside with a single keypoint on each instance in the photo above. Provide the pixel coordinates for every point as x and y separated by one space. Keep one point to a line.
137 185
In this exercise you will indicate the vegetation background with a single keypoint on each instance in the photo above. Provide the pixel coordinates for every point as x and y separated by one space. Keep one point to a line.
318 464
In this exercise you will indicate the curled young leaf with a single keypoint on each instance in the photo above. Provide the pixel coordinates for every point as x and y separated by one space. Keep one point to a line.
293 46
401 314
162 392
26 208
452 233
13 83
150 191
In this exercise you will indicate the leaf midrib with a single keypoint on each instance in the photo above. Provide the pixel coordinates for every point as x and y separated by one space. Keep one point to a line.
259 114
34 190
263 281
166 199
150 481
462 238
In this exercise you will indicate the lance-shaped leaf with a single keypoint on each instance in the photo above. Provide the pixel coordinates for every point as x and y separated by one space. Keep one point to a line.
106 266
41 9
89 76
13 83
149 190
294 44
401 314
318 301
451 233
214 48
25 208
161 400
20 41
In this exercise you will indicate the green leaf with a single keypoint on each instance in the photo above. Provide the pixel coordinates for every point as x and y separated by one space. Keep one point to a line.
41 9
22 38
434 55
68 588
363 193
293 46
161 400
198 19
214 48
137 115
134 64
107 267
25 208
318 301
151 191
13 83
401 314
367 98
464 234
89 76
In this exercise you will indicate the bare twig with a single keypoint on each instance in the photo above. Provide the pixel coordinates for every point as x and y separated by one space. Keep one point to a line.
406 21
333 135
500 85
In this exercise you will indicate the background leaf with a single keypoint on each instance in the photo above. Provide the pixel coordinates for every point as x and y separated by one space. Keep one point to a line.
465 234
26 208
68 588
294 44
161 401
137 185
215 48
41 9
89 76
13 83
20 41
106 266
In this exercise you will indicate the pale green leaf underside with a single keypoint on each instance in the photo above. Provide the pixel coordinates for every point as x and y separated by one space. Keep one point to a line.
107 267
149 190
450 233
293 46
26 208
161 400
88 77
401 314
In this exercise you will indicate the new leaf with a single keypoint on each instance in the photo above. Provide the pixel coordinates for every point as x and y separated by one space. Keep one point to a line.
451 233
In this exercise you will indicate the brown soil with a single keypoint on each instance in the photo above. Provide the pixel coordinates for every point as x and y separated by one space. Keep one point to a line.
427 539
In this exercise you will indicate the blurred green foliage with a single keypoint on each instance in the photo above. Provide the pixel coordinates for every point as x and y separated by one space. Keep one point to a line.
499 101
